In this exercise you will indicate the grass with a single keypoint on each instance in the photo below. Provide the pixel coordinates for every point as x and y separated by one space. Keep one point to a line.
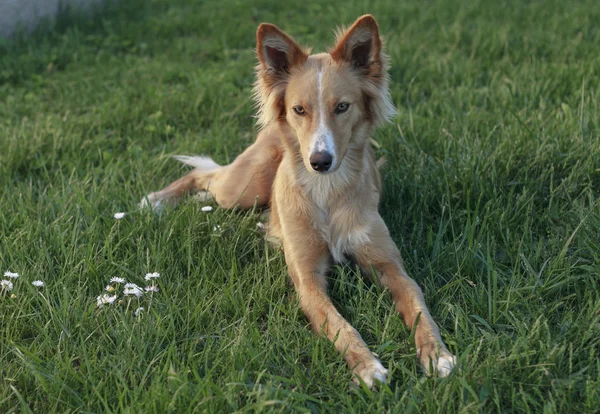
491 192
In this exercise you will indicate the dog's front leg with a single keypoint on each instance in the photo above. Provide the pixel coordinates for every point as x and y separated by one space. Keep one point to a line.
307 258
380 253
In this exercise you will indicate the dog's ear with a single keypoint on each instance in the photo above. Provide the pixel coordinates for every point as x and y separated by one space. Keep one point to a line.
277 52
360 46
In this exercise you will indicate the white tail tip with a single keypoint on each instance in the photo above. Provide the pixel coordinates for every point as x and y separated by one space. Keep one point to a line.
200 163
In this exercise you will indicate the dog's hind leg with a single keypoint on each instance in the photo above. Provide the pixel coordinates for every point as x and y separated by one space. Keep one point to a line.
196 181
245 183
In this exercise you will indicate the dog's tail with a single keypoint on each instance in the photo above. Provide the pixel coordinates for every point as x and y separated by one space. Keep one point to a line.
203 176
200 163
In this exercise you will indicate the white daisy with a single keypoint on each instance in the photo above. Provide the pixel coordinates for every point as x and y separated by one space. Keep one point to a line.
136 291
10 274
151 288
150 276
105 299
6 284
37 283
260 225
131 286
109 288
137 311
117 280
206 208
217 228
119 216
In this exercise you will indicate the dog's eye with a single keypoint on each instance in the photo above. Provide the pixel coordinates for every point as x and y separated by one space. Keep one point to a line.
299 110
342 107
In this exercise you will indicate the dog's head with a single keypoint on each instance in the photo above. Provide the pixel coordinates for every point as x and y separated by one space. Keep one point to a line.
331 101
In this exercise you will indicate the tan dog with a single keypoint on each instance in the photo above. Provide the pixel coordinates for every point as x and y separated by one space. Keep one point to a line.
313 164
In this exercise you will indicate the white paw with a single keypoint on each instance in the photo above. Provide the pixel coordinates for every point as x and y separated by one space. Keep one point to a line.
152 201
445 365
442 366
371 373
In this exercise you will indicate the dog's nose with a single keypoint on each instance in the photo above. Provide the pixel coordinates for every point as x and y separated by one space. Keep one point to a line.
321 161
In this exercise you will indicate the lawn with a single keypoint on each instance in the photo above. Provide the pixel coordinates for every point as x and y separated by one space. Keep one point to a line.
492 193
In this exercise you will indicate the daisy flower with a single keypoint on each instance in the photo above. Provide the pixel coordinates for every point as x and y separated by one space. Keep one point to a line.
119 216
133 289
206 209
6 284
105 299
137 311
37 283
152 288
150 276
109 288
10 274
117 280
217 228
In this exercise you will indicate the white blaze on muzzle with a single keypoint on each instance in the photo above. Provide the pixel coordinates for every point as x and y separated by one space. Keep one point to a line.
322 139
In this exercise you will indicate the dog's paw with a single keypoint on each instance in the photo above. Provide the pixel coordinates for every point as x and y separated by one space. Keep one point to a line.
370 373
152 201
439 364
445 365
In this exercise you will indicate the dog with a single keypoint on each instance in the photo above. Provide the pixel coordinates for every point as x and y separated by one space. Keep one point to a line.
313 165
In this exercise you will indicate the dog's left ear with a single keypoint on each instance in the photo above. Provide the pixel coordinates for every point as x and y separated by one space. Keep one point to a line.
360 46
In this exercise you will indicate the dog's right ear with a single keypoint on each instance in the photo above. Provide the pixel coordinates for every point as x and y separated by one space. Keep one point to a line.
277 53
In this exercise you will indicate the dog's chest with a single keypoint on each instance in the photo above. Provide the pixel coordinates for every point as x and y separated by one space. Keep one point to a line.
344 231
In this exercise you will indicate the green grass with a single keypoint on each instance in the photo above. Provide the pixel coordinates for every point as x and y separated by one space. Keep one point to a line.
492 192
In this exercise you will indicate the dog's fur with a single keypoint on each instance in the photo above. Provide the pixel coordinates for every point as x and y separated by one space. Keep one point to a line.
308 106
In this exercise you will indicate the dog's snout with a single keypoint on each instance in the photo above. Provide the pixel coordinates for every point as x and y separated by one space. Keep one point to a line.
321 161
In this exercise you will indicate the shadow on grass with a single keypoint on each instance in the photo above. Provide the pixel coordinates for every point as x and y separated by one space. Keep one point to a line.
54 43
